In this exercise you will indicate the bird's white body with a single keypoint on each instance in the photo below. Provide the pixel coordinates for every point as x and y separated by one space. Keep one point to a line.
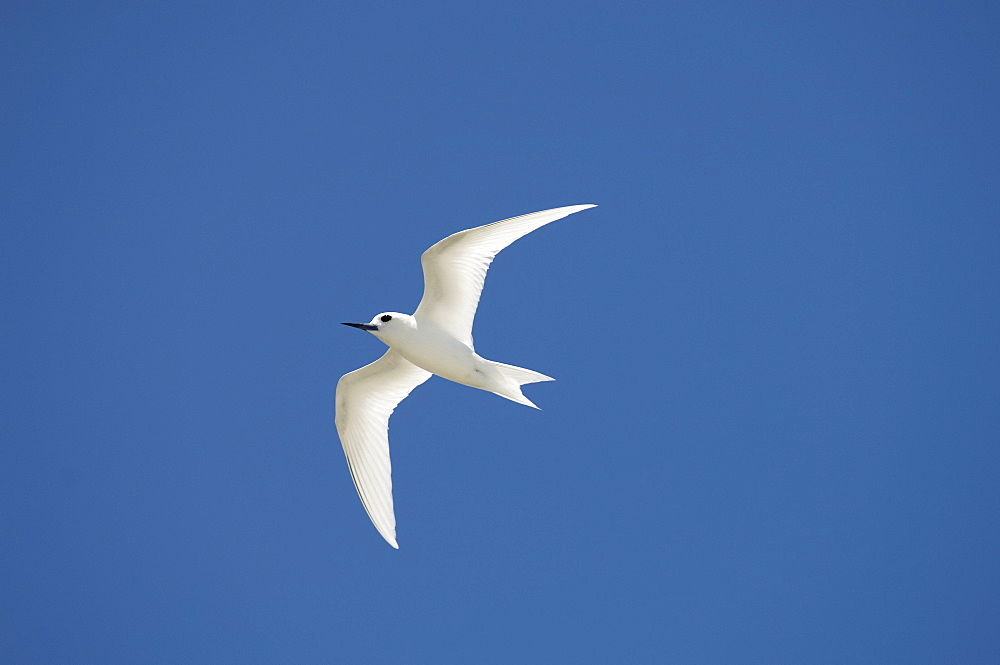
428 346
437 351
435 339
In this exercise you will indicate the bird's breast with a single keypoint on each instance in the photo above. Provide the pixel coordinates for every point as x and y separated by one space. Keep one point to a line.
440 354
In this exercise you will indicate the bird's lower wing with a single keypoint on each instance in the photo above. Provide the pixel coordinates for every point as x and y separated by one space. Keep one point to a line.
366 398
455 268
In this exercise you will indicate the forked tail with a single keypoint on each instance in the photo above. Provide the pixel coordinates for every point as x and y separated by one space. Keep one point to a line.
517 377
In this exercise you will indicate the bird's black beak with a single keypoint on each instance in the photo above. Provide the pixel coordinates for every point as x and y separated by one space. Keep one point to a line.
362 326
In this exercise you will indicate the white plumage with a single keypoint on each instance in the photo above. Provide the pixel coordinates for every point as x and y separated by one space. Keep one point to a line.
435 339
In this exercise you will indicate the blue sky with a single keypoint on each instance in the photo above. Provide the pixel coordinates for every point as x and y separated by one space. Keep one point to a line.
774 433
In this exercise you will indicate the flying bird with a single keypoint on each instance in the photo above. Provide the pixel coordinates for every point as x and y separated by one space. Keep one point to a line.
435 339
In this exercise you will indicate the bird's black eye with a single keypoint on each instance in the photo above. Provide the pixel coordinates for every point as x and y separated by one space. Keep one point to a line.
384 318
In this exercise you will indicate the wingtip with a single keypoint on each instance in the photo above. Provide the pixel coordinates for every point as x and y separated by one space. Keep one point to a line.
569 210
577 208
391 539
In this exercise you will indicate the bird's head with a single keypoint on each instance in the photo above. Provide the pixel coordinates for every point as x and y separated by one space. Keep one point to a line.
386 325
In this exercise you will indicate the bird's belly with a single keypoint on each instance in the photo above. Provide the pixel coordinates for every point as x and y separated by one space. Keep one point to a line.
455 362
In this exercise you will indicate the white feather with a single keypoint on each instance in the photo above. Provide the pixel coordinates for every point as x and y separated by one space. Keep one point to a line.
437 339
455 268
366 398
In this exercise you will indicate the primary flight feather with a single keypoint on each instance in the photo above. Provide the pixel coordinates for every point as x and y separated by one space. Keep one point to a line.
435 339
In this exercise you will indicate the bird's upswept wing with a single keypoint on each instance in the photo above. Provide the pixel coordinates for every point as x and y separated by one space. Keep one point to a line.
366 398
455 268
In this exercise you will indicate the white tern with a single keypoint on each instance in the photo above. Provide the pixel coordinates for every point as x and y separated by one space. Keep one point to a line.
435 339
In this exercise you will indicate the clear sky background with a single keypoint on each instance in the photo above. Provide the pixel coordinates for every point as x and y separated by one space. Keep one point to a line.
774 434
